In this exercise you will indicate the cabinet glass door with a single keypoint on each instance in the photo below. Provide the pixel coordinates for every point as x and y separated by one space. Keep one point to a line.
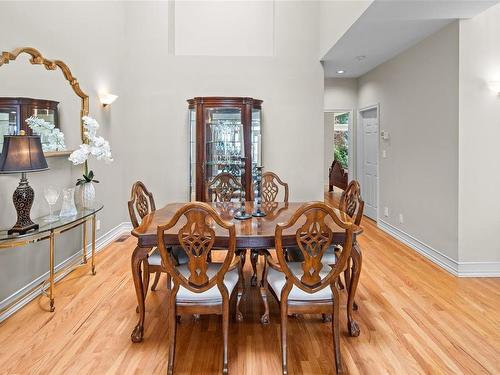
224 142
192 155
46 114
9 122
256 135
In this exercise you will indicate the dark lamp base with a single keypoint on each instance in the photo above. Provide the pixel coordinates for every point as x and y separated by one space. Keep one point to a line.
23 200
22 230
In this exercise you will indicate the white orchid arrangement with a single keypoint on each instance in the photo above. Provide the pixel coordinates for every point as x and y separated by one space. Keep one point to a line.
94 145
52 138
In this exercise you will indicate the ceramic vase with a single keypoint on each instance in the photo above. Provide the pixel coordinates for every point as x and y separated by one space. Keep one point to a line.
87 191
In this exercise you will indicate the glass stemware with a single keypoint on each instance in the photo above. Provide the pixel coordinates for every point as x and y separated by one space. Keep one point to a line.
51 196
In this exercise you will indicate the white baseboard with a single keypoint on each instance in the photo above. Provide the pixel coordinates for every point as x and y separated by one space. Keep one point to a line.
430 253
479 269
460 269
101 243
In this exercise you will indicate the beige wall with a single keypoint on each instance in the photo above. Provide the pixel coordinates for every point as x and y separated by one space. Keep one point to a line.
290 83
418 96
335 18
340 93
329 120
127 48
62 31
479 176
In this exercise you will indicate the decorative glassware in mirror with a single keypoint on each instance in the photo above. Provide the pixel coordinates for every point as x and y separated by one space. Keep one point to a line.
14 113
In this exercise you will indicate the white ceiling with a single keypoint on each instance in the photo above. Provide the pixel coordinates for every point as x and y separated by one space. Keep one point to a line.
388 27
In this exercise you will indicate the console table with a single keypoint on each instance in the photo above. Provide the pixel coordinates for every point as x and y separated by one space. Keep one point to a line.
49 230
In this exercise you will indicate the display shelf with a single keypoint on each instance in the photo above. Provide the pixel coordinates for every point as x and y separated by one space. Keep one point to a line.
222 131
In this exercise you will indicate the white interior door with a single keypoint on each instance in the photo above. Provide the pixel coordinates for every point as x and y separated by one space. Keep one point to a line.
369 187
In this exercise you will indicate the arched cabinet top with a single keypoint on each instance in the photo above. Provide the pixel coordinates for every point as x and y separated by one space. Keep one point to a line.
224 101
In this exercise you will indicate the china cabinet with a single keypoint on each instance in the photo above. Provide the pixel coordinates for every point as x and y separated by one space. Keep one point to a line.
225 136
15 111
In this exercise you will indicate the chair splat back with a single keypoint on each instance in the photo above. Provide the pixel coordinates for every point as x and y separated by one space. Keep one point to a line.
222 188
314 236
140 204
351 202
197 237
271 186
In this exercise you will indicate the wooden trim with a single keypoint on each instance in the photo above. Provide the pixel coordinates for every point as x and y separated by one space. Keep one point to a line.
226 101
56 154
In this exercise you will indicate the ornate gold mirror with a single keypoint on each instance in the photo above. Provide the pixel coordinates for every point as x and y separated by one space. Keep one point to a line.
24 93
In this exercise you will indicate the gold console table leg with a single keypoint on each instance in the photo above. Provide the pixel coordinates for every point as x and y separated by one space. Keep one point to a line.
51 266
84 255
93 244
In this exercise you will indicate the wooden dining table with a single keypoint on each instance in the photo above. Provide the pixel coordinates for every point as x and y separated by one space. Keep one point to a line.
254 233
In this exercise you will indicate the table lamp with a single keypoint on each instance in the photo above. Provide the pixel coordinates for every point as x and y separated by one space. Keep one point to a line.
22 153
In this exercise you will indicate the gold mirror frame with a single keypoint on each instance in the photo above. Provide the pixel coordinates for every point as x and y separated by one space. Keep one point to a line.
38 59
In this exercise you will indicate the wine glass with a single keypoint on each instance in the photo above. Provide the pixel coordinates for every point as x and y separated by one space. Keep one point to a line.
51 196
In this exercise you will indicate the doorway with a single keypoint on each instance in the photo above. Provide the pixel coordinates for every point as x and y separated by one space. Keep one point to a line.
369 129
338 141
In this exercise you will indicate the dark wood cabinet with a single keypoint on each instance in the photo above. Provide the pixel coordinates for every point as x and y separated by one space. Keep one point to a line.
222 131
15 111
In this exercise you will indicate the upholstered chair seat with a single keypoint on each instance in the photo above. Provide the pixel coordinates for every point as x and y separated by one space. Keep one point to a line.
178 254
276 280
295 255
211 295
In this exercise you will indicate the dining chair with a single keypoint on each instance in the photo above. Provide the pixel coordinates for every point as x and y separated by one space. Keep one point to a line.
309 287
353 205
200 286
223 188
272 188
140 204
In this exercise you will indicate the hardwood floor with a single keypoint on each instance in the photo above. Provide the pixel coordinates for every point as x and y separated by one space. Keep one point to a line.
415 318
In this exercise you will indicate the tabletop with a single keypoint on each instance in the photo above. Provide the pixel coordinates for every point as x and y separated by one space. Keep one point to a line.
46 227
257 232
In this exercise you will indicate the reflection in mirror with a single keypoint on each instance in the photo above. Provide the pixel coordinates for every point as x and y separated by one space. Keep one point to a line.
14 113
29 90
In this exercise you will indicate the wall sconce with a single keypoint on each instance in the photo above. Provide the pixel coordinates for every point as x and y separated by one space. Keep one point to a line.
495 87
107 99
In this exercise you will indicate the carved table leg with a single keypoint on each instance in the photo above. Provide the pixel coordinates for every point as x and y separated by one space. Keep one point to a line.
264 319
254 257
137 257
52 271
241 286
93 244
356 271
